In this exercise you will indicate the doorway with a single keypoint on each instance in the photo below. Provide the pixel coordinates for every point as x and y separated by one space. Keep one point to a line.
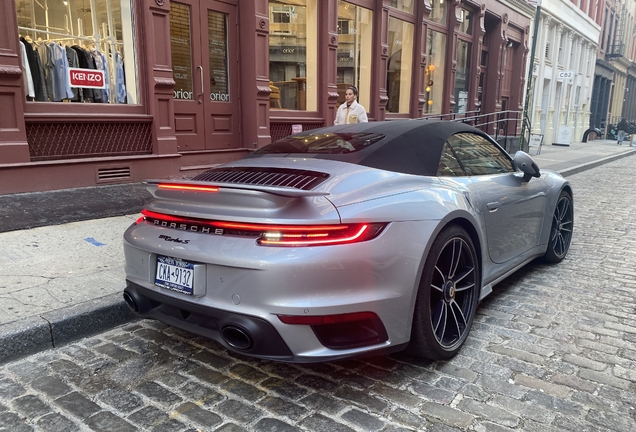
204 47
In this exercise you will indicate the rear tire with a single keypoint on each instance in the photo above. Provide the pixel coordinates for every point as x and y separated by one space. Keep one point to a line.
447 296
561 229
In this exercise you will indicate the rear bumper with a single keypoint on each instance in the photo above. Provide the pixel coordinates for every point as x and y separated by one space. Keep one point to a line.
244 334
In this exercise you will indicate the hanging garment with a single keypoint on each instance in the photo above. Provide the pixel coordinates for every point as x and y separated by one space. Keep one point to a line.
46 60
35 70
101 64
61 80
73 62
120 81
26 73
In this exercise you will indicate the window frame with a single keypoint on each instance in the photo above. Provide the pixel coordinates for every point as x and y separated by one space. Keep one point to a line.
467 168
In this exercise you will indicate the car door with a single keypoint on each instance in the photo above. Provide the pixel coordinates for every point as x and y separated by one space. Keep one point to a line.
513 209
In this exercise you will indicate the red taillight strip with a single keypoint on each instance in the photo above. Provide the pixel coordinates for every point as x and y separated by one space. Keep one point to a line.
276 235
284 242
185 187
326 319
263 227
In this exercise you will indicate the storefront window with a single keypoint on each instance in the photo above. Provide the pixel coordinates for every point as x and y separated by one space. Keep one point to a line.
293 54
462 74
399 66
355 35
438 14
434 76
403 5
59 36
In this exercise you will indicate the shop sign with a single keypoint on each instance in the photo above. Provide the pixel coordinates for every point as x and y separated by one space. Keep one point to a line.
565 75
297 128
87 78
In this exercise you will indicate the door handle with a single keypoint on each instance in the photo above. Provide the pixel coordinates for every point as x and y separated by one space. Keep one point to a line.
493 206
202 91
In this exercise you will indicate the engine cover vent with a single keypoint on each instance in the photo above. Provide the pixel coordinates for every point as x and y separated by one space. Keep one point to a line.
283 177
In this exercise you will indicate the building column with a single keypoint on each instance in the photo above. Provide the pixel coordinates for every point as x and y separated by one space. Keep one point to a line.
544 31
156 23
254 58
13 140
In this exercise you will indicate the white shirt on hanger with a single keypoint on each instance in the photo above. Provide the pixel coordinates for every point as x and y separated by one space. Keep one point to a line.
26 72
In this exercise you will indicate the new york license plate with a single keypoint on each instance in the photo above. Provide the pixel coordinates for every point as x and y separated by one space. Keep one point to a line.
175 274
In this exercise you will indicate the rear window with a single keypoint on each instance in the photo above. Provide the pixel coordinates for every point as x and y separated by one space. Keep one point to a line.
324 143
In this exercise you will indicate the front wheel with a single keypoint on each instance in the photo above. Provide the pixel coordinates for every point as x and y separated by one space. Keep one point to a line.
447 296
561 229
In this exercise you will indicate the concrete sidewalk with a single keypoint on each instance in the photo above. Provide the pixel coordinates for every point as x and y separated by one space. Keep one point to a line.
64 281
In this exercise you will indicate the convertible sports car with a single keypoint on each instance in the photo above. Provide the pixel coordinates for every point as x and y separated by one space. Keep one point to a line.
345 241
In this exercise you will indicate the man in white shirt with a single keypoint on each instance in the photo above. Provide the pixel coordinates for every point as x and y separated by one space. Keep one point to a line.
351 111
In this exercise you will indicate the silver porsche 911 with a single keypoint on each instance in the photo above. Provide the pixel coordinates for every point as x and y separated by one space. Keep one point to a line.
345 241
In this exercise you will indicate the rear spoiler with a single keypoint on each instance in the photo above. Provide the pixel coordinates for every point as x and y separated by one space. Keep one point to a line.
274 190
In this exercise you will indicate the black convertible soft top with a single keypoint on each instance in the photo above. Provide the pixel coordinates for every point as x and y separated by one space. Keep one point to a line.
405 146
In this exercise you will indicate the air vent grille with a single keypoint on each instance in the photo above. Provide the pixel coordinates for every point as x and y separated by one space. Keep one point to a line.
113 174
292 178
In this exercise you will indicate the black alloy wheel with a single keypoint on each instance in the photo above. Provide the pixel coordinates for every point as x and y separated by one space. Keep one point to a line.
447 297
561 230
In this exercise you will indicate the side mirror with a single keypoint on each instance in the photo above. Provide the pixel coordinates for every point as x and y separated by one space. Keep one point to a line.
523 162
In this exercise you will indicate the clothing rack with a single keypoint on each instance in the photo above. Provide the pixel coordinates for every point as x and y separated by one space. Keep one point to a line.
66 35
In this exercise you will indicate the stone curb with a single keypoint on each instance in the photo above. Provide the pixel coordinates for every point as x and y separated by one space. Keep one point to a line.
589 165
56 328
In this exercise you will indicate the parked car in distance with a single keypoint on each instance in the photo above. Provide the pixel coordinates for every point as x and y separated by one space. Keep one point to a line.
345 241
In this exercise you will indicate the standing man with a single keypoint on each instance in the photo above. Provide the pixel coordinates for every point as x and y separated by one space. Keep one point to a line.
351 111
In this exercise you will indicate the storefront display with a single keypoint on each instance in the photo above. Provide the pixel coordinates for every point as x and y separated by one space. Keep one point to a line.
58 35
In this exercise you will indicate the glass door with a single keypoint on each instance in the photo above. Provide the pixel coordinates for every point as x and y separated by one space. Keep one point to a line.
203 42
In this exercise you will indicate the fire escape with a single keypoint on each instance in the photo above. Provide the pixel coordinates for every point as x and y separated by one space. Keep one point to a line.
617 49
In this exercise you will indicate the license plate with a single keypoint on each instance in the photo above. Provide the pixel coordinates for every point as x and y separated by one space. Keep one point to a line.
175 274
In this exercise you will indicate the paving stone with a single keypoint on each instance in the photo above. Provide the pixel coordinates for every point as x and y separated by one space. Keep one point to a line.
56 422
604 378
238 411
31 406
433 393
284 388
247 373
491 427
231 427
316 382
394 395
243 390
199 415
199 394
273 425
171 379
212 360
557 404
11 422
169 425
283 408
121 400
362 399
108 422
541 385
320 402
447 414
317 422
157 393
149 417
10 389
363 420
408 418
489 412
208 375
114 351
78 405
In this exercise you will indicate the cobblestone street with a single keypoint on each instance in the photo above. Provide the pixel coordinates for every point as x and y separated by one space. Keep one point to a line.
552 349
